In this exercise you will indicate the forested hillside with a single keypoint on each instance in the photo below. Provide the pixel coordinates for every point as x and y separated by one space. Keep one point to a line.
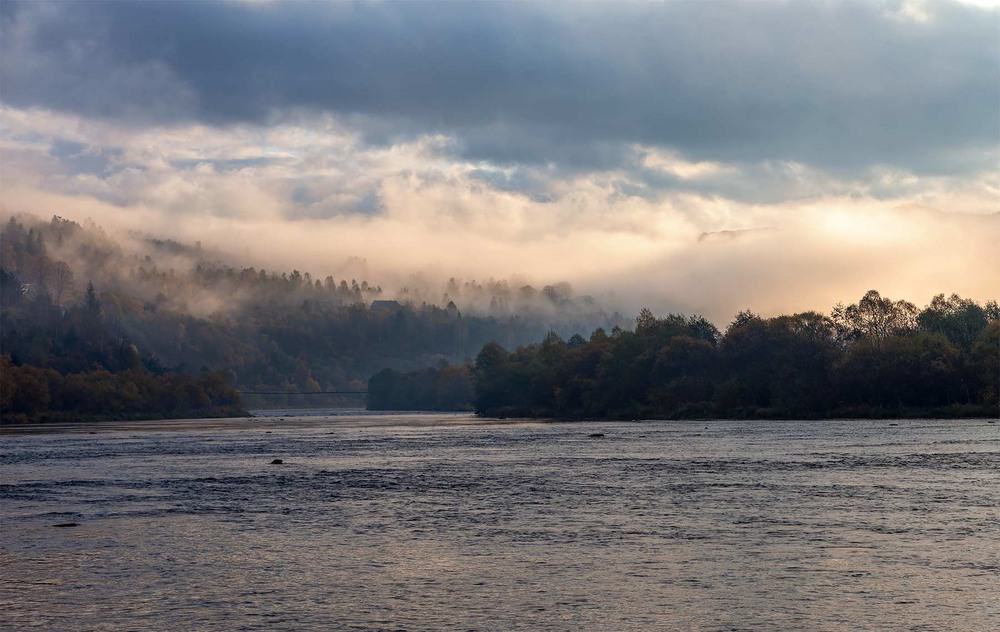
138 326
874 358
76 299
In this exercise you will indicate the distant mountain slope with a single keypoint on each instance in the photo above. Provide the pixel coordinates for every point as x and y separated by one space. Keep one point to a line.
186 309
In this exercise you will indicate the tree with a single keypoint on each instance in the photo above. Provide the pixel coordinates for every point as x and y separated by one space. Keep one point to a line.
61 281
985 364
11 290
489 375
645 321
90 300
961 320
874 317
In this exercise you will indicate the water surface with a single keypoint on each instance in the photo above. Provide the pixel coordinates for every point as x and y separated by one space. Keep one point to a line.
445 522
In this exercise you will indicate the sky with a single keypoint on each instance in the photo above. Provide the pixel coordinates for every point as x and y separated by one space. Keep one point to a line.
702 157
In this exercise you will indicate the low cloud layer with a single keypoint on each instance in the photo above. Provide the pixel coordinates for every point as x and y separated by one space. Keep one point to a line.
695 156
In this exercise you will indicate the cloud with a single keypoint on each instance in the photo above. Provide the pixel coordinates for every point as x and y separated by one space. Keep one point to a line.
831 85
692 156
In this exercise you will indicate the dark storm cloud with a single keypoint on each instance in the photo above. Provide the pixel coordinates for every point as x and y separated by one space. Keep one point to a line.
839 85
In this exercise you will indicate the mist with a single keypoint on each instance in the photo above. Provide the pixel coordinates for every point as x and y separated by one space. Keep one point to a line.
693 255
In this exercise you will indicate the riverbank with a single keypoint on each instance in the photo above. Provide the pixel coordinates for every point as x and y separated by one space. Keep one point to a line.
60 417
705 413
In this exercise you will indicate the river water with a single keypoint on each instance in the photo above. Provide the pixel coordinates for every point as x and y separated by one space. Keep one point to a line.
443 522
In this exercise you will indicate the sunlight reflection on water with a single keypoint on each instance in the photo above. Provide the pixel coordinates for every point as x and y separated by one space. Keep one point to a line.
426 522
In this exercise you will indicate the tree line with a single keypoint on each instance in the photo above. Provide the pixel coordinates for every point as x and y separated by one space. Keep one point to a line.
82 369
442 388
33 394
873 358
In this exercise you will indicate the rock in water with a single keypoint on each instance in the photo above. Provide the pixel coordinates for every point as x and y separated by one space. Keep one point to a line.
67 524
277 462
596 435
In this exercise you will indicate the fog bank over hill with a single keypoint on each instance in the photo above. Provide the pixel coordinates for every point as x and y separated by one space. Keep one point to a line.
204 280
809 256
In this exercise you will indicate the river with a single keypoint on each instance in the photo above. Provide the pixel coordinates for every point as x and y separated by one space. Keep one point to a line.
446 522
